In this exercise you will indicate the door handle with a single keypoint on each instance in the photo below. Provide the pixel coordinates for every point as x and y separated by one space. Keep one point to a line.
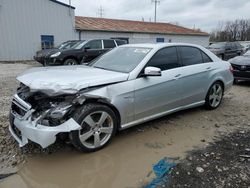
177 76
208 68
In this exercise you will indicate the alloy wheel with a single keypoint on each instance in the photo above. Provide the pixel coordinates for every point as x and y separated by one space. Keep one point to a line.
97 129
215 95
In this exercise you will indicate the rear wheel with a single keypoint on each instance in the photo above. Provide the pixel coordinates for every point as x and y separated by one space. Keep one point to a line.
99 125
214 96
70 62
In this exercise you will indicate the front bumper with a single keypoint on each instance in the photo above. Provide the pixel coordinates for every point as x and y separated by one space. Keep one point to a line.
53 61
24 129
241 75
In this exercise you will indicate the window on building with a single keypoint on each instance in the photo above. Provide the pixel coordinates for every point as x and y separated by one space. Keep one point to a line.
160 40
190 56
109 43
165 59
47 41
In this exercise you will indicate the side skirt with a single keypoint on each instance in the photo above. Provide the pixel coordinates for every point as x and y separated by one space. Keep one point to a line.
155 116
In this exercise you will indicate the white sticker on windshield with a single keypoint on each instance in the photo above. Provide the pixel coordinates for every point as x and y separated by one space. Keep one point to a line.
145 51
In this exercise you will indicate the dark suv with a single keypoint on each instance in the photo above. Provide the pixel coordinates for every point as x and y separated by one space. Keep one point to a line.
226 50
40 55
82 52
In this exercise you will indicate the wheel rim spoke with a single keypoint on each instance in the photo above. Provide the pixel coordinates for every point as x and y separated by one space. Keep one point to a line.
97 141
86 136
103 117
89 121
215 96
107 130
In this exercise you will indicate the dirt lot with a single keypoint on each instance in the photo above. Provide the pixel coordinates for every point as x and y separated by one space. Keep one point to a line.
128 160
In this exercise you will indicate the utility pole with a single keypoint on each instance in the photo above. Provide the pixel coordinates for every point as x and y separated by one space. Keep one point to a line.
70 7
100 12
156 2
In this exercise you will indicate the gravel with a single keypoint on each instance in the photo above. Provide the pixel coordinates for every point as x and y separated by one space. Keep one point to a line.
224 163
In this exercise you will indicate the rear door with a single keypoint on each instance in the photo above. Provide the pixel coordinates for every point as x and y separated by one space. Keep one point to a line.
229 51
155 95
195 74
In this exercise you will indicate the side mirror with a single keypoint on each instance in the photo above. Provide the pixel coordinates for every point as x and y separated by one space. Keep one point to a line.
85 49
152 71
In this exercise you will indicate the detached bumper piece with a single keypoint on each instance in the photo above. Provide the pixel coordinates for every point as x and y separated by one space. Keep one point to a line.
23 128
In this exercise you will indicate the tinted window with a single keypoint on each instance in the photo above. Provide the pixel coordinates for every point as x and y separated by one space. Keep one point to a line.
120 42
165 59
205 57
190 56
229 46
109 43
94 44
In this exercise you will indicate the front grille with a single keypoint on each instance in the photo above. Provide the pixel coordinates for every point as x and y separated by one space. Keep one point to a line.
19 106
241 67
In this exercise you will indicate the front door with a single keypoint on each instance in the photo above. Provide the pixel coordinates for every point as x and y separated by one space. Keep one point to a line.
159 94
92 50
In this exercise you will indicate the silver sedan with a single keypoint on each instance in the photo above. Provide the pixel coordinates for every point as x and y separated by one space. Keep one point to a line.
127 86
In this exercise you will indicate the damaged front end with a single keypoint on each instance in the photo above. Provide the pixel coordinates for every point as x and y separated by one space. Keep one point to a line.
40 118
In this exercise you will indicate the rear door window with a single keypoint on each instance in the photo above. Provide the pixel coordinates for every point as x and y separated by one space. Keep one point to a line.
165 59
109 43
190 55
206 58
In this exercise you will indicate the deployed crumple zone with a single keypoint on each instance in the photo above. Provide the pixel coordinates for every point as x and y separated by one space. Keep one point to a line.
127 86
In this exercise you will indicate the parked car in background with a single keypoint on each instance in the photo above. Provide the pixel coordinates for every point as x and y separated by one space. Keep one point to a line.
241 67
226 50
40 55
128 85
246 45
82 52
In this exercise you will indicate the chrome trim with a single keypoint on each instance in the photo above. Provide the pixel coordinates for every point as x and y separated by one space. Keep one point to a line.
21 103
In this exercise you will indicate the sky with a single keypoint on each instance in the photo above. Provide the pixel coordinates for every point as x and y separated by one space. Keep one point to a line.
203 14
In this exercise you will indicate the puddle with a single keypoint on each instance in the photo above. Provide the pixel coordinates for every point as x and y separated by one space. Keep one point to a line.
126 162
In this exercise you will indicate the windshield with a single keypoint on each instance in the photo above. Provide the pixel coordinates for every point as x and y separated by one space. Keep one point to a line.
121 59
67 45
79 45
217 45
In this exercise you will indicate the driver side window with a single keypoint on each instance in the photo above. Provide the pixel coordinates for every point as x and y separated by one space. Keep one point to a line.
94 44
165 59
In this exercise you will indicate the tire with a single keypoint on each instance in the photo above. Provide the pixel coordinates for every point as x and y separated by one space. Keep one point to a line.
91 137
236 81
70 61
214 96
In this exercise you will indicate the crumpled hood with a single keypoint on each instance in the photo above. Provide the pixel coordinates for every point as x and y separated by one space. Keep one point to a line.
240 60
68 79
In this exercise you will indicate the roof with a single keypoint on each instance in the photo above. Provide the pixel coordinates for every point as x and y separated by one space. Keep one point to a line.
63 4
114 25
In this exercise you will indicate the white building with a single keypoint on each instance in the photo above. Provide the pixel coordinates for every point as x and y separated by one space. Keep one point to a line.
137 31
27 25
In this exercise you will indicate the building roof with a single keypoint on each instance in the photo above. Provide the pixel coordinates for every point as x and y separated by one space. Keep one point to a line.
63 4
113 25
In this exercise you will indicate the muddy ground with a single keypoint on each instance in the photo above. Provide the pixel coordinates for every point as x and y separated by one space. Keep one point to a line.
128 160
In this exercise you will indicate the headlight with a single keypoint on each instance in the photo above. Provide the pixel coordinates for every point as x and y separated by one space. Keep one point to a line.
56 54
60 110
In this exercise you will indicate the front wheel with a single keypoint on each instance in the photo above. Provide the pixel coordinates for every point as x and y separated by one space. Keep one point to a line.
70 62
214 96
99 125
